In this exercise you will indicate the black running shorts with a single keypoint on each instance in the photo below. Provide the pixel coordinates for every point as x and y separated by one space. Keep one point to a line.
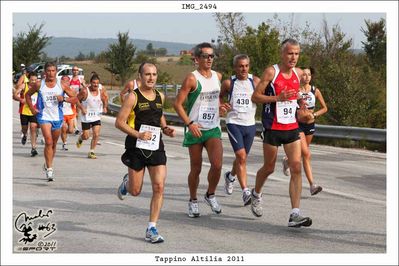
278 137
137 158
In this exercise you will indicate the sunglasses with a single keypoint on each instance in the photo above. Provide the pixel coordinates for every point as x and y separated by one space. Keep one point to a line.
207 56
75 69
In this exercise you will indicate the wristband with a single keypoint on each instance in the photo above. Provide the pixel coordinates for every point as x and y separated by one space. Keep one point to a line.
191 122
63 99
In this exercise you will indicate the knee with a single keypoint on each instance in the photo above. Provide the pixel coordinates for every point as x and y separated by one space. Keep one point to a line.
70 130
306 155
48 142
241 159
266 170
195 171
85 136
158 188
295 167
135 191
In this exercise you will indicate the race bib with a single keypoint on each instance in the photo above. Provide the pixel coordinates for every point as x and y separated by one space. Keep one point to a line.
207 117
286 111
241 101
153 143
93 114
34 99
50 100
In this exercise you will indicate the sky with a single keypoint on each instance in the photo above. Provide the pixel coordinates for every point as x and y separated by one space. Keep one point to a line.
178 27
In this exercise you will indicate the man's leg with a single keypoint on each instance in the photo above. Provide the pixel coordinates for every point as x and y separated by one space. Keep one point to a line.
269 162
240 167
33 134
214 149
157 175
95 138
48 144
195 152
293 151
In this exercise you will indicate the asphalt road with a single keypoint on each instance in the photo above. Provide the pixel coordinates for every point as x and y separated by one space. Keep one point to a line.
80 212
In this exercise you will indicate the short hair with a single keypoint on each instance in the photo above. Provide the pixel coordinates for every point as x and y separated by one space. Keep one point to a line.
95 77
289 41
141 67
240 57
198 48
50 64
32 74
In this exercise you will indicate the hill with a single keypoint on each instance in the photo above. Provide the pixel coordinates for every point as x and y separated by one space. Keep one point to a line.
70 47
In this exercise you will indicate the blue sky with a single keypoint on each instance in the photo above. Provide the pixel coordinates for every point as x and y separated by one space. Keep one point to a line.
177 27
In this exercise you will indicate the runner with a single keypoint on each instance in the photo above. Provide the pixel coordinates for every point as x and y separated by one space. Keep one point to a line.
240 122
48 111
278 91
130 86
309 94
141 118
26 116
201 89
69 111
76 84
93 104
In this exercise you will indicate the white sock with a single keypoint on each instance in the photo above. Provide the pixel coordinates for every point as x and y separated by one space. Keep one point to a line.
245 189
295 211
232 177
92 151
151 224
256 194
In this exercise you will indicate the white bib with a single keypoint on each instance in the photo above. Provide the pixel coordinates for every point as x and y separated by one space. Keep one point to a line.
241 101
286 111
153 143
207 116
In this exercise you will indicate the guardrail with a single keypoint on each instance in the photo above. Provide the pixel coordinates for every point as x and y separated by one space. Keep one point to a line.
323 131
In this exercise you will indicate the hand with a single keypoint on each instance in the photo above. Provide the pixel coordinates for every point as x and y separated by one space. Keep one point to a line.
22 100
84 111
146 135
286 94
224 108
60 98
168 131
34 111
195 130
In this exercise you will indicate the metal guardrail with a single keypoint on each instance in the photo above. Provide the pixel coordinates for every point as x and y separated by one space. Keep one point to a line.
323 131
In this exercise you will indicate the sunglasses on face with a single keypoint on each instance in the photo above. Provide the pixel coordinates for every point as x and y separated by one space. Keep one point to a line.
207 56
75 69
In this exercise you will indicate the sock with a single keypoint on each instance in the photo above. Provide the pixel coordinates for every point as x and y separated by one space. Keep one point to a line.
209 195
231 177
245 189
256 194
151 224
191 200
92 151
295 211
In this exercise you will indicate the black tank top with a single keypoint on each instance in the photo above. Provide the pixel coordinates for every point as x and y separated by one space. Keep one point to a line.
146 112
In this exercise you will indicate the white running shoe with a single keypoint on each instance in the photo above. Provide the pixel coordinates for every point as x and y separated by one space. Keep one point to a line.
246 197
215 207
286 167
49 174
228 184
193 209
314 189
256 205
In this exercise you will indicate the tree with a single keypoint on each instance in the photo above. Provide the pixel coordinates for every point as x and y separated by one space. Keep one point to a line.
119 58
28 47
80 57
231 26
375 46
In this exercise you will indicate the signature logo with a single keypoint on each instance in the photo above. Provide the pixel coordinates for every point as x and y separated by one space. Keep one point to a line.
35 231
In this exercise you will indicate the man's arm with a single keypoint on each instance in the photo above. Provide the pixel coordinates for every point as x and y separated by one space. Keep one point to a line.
189 84
33 88
104 99
70 92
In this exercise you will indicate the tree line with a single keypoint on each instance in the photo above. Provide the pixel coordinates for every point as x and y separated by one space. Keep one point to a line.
353 84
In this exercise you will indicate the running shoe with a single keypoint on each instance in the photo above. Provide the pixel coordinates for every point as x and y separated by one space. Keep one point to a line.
211 201
64 148
79 142
286 167
314 189
42 141
122 191
256 205
33 152
49 174
151 235
228 184
92 155
77 132
246 197
297 220
193 209
23 139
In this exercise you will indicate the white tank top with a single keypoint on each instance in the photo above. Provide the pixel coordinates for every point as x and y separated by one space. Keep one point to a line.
93 106
205 109
243 109
309 97
49 107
